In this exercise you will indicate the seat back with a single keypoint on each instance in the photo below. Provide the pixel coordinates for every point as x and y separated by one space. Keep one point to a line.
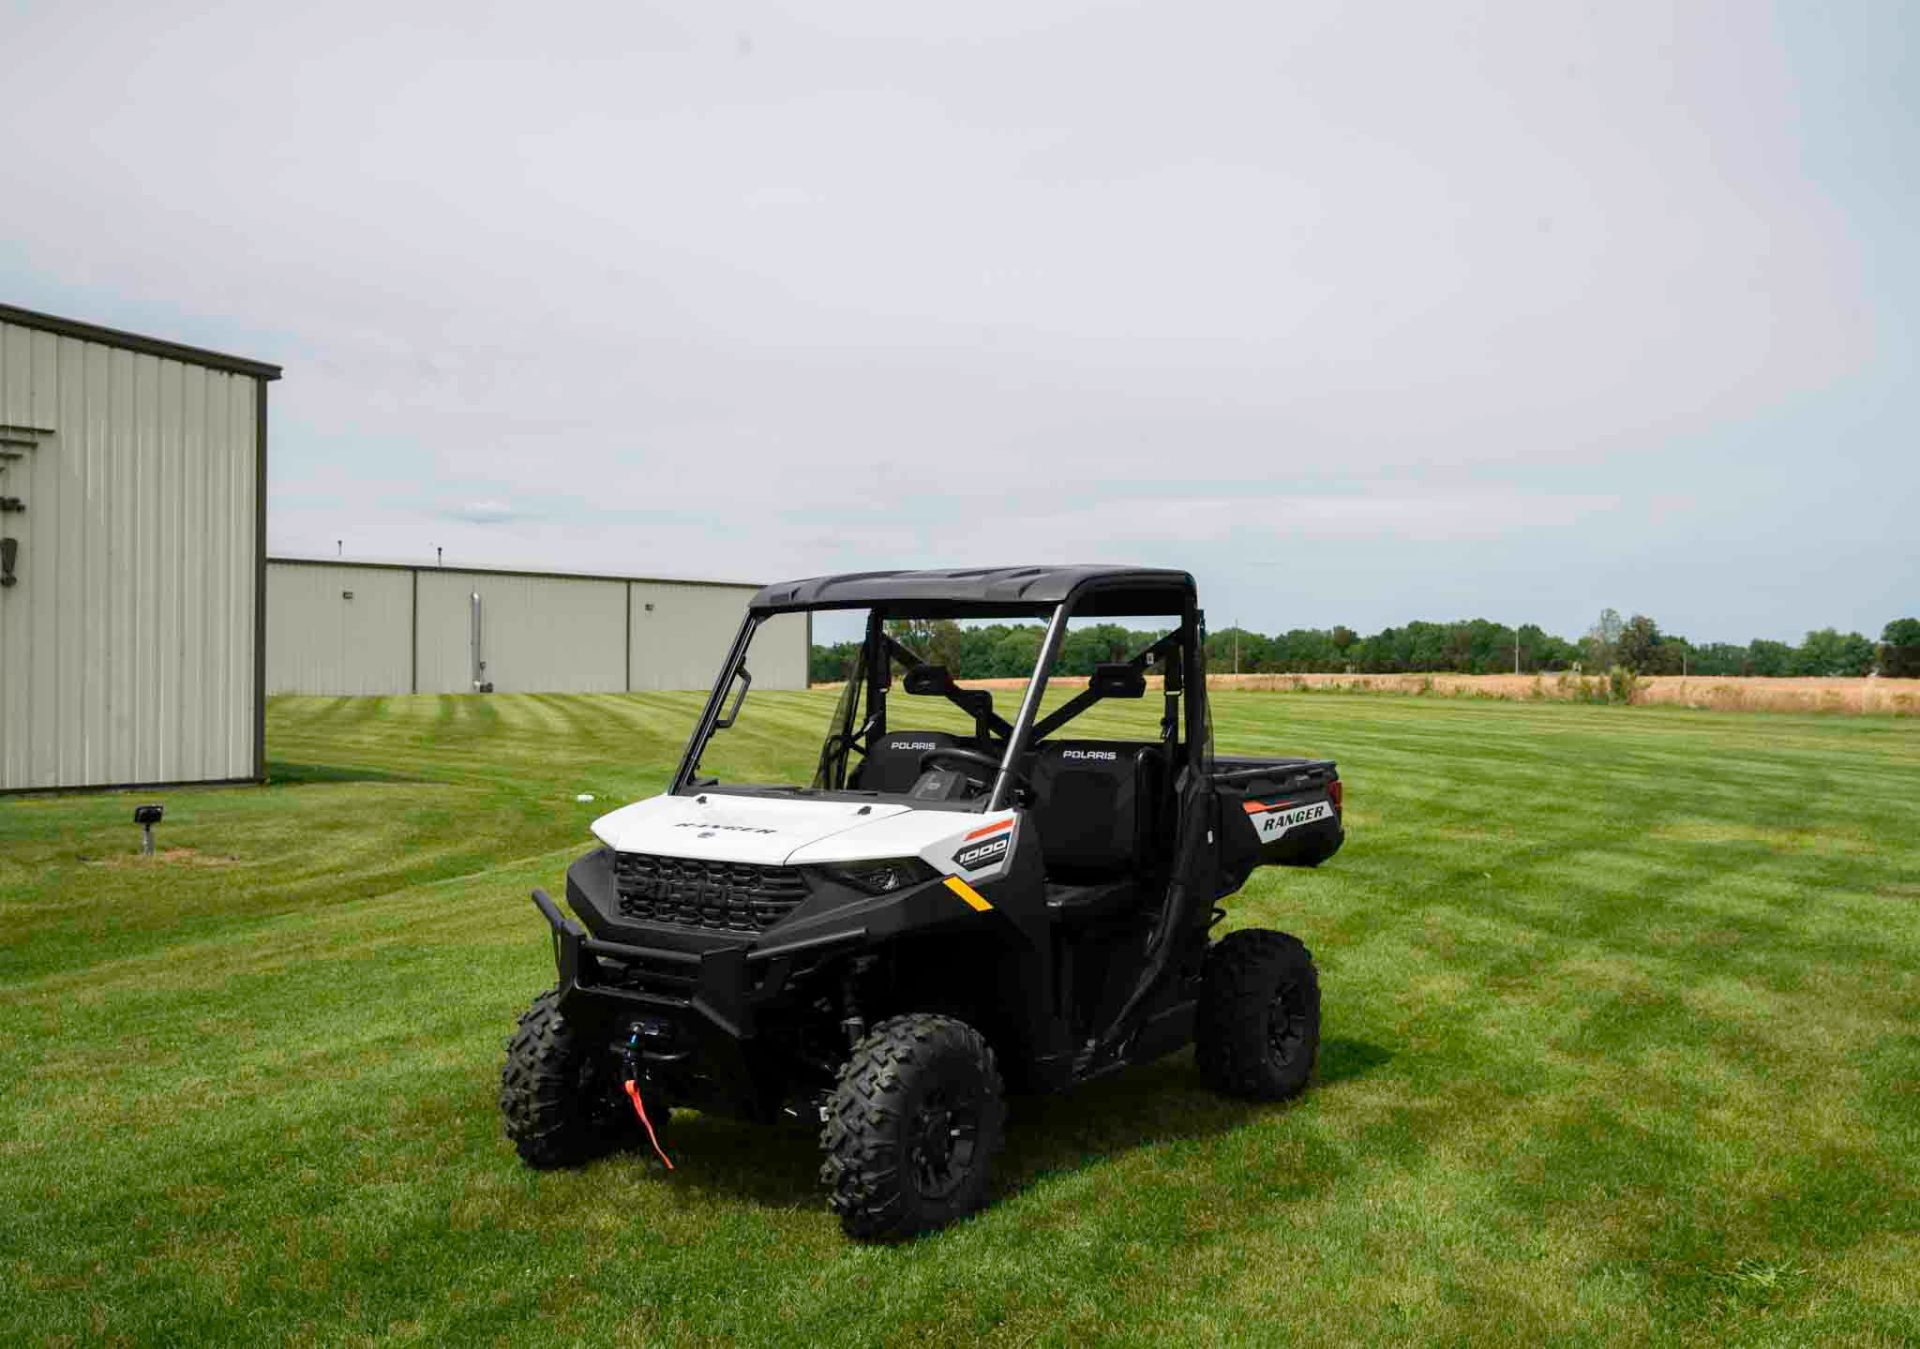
1097 807
893 762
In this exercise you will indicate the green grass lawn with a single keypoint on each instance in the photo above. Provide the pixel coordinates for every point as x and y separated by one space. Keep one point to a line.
1622 1017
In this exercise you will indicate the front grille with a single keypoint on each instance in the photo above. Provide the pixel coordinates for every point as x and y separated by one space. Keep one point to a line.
688 892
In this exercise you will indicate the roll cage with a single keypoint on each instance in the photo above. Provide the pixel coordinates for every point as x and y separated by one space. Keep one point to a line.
1055 594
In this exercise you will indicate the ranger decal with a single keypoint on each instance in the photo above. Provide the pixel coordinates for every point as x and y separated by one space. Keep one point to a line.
1271 821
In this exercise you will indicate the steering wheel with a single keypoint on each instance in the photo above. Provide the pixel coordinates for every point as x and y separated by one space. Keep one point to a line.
973 758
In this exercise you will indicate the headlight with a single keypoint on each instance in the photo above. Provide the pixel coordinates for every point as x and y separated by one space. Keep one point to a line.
883 877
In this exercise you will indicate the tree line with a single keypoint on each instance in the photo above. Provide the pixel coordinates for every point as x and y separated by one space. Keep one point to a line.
1469 646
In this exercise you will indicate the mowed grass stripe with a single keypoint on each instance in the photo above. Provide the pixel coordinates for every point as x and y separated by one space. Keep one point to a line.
1622 1018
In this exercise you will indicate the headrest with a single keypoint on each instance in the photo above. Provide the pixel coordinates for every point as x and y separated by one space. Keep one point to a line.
893 762
1097 755
915 741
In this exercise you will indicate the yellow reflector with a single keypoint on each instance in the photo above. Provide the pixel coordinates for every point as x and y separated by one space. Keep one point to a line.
975 900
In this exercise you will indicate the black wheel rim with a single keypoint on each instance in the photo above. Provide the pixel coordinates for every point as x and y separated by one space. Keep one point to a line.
941 1137
1287 1023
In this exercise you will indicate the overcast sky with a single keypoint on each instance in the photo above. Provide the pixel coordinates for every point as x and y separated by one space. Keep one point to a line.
1361 313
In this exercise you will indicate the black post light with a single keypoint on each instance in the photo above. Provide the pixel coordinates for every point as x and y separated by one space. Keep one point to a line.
147 817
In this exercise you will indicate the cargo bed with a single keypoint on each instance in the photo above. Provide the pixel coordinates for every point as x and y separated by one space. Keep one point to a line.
1276 812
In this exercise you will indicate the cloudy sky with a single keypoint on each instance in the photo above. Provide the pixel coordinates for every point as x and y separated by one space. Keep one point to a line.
1362 313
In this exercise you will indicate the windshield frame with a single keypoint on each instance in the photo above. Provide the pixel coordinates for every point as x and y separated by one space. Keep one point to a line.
1190 631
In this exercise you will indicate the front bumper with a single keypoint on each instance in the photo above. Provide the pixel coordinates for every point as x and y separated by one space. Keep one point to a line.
692 1018
745 1022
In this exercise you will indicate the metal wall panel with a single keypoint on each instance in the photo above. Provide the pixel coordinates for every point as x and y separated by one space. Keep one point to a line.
681 634
542 634
339 630
779 656
127 647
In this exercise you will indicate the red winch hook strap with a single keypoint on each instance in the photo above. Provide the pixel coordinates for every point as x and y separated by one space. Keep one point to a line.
640 1109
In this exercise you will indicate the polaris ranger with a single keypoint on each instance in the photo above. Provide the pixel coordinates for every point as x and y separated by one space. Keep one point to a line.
958 902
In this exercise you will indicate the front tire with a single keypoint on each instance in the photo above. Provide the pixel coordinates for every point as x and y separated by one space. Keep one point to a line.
912 1128
556 1097
1258 1030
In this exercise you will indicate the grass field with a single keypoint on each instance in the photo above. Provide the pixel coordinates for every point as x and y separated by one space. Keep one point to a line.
1623 1045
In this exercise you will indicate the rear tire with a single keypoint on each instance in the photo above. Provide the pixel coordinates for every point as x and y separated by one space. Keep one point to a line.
557 1098
1258 1030
912 1128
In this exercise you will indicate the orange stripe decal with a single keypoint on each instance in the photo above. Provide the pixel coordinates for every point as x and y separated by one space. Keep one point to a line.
986 829
1261 807
975 900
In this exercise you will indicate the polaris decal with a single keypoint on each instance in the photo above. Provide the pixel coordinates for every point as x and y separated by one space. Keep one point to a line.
912 744
725 828
982 854
1088 754
1271 821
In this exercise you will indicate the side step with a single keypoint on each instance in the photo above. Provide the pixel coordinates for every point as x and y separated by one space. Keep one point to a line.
1163 1033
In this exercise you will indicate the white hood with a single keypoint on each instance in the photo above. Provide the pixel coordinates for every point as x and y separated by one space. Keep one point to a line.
772 832
731 828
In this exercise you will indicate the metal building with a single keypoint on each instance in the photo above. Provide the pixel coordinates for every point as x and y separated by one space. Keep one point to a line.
378 628
132 558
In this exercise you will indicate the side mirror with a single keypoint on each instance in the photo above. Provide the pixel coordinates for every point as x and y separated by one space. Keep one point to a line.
1118 681
929 680
744 677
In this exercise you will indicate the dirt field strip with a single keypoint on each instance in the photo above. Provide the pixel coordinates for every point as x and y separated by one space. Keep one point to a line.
1715 693
1719 693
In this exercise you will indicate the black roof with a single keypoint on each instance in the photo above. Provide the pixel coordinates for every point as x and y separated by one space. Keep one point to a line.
1102 590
